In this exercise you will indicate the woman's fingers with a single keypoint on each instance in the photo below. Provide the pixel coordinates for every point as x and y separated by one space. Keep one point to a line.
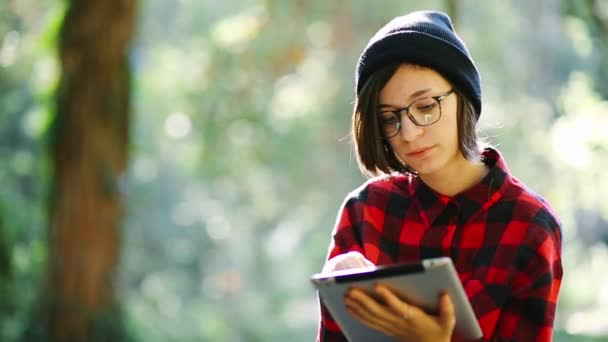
367 302
404 310
399 307
446 311
360 309
395 317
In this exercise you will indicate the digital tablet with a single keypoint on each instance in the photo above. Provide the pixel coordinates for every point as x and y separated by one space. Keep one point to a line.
417 283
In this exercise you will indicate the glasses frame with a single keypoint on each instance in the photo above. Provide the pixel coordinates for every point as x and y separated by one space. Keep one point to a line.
398 112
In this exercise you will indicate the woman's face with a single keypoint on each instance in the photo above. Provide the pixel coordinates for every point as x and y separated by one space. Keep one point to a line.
427 149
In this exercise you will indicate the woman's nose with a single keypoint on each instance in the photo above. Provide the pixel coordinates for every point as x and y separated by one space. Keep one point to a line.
409 131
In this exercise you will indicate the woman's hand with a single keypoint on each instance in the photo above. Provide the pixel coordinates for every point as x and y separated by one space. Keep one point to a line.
399 319
346 261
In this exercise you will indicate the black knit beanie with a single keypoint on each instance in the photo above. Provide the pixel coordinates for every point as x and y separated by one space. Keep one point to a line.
425 38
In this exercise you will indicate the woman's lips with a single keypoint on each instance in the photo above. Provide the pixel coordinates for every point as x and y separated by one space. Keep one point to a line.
420 152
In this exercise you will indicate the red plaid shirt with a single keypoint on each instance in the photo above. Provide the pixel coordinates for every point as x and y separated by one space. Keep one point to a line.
504 240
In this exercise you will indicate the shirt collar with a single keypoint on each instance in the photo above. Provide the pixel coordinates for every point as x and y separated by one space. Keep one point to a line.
473 200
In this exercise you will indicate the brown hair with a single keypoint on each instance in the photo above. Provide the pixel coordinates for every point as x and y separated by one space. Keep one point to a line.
374 154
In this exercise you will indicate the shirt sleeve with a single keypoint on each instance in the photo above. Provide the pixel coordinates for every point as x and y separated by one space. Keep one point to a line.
345 238
523 309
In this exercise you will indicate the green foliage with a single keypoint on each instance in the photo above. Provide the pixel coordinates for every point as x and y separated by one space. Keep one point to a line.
27 73
241 154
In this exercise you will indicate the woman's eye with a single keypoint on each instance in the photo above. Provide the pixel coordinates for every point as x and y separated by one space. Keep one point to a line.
425 107
390 119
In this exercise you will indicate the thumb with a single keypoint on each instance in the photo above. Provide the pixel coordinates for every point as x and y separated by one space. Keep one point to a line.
363 261
354 259
346 261
447 315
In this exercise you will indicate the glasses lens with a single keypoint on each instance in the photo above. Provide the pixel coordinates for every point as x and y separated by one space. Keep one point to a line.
426 111
389 124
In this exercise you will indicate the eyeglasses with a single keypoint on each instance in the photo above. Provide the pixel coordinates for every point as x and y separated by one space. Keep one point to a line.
422 112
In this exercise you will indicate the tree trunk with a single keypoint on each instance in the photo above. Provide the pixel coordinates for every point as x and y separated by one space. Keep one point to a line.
88 156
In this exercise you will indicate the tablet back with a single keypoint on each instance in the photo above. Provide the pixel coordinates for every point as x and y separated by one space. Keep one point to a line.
417 283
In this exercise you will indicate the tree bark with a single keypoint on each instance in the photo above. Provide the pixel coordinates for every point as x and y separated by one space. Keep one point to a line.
89 145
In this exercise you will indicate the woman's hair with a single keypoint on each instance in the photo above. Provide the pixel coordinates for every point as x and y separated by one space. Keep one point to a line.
374 154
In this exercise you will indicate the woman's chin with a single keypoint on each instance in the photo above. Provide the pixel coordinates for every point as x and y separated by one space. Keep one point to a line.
422 168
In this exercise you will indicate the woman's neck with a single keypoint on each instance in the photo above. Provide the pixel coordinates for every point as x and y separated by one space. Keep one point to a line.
458 176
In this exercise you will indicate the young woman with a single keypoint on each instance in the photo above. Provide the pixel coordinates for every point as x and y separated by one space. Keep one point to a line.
438 191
